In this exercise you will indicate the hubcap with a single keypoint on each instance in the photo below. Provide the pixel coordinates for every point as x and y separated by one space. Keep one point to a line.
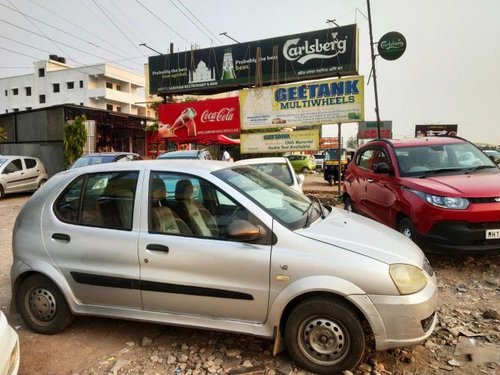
406 231
323 341
42 304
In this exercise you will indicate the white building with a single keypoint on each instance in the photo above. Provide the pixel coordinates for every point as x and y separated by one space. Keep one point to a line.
102 86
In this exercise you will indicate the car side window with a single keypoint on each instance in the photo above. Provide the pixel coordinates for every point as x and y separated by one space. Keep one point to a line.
30 163
186 205
13 166
365 159
100 199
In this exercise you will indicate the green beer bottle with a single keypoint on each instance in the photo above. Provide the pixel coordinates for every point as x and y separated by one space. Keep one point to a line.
228 65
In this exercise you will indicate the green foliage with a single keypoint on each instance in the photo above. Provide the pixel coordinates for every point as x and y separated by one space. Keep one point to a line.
75 137
3 134
352 143
152 127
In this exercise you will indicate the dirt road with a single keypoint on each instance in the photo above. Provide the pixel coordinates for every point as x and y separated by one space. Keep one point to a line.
467 340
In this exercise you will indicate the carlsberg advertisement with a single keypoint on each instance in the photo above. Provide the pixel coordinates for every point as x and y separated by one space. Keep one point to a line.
303 104
324 53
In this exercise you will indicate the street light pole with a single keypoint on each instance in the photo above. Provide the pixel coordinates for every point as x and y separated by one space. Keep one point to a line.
373 68
230 37
152 49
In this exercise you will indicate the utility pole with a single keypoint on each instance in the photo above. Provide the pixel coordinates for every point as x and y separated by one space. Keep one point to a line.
377 112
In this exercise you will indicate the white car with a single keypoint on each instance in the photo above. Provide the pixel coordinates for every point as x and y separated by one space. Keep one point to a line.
21 174
279 168
9 348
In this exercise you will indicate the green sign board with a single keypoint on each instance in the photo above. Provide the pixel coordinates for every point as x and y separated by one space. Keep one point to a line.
391 46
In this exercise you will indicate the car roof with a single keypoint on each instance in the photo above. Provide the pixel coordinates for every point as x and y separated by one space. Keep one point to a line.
17 156
270 160
176 165
114 153
421 141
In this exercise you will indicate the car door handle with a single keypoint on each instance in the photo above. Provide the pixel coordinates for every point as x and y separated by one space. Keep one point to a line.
156 247
370 180
61 237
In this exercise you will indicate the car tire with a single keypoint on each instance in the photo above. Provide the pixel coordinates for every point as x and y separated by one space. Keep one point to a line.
304 170
348 205
405 227
42 305
2 194
324 336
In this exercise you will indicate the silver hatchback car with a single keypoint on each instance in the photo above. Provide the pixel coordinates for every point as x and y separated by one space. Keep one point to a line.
20 174
221 246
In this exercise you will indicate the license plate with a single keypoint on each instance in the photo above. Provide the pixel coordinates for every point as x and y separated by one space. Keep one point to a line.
493 234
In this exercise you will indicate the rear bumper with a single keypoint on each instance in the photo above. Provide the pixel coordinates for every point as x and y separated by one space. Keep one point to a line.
460 236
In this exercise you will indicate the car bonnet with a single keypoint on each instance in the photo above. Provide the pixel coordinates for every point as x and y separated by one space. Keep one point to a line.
361 235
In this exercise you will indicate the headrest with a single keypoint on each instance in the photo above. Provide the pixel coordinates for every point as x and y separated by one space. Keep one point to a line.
183 190
158 190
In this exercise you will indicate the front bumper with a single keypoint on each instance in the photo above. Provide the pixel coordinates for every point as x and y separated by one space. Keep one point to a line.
399 321
461 236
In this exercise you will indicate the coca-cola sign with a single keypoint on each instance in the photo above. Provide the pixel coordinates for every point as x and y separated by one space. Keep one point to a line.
199 120
223 114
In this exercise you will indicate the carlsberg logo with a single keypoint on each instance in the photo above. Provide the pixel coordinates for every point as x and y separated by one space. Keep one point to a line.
305 51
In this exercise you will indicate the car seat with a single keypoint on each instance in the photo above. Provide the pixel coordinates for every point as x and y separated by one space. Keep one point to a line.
198 218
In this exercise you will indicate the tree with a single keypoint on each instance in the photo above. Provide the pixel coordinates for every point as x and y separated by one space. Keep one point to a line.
352 142
3 134
75 137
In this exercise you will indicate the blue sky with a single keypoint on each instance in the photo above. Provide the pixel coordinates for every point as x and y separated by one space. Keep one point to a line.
448 74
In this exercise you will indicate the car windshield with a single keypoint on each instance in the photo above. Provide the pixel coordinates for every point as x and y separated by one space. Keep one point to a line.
91 160
290 208
333 154
2 161
277 170
423 161
494 153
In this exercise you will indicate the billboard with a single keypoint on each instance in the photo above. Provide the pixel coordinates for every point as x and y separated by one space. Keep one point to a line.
368 129
436 129
199 120
303 104
258 143
291 58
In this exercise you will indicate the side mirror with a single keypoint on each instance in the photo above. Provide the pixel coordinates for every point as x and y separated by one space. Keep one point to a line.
242 230
381 168
300 179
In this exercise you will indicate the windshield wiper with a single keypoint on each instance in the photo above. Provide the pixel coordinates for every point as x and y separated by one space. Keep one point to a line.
306 224
321 208
437 171
476 168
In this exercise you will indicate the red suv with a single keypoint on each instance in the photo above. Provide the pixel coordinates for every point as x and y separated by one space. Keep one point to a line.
442 192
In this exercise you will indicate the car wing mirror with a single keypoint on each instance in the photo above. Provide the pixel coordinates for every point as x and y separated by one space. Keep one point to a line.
243 230
300 179
382 168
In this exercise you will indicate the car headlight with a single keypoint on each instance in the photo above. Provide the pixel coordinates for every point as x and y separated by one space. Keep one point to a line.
452 203
407 278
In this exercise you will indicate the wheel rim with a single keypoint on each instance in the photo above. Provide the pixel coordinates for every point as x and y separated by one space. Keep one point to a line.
42 304
323 340
406 231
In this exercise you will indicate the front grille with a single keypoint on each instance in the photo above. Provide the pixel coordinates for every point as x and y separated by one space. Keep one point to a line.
427 322
484 200
485 225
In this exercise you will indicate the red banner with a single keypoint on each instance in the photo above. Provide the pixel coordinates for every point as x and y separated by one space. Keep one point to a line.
200 120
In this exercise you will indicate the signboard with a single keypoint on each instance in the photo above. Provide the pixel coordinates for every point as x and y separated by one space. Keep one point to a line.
368 129
258 143
194 121
291 58
329 142
391 46
303 104
433 130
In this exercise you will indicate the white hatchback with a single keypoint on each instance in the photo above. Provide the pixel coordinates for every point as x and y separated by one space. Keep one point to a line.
20 174
279 168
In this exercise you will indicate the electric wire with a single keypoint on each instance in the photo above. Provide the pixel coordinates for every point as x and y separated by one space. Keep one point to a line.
121 31
190 20
201 23
163 22
81 28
